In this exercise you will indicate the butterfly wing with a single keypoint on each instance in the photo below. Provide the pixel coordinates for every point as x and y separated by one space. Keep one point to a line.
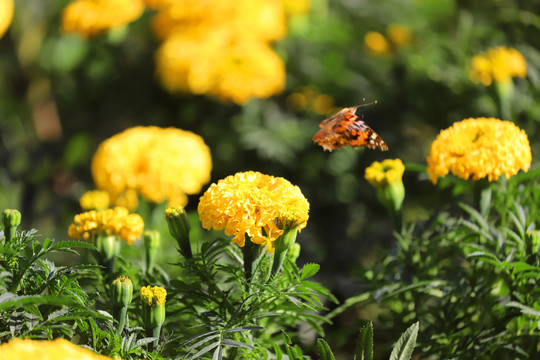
346 128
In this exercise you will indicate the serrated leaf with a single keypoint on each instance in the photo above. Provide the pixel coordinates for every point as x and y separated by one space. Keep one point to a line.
65 245
19 301
325 353
405 346
364 346
200 342
309 270
205 350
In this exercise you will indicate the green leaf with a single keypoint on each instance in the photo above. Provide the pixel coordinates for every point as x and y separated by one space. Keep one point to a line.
234 343
245 328
205 350
405 346
325 353
278 352
19 301
309 270
67 245
364 346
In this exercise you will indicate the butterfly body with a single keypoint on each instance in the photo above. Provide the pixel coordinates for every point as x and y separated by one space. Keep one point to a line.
346 128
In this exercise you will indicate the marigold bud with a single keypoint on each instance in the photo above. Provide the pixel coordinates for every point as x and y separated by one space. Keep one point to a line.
178 223
122 294
153 310
11 219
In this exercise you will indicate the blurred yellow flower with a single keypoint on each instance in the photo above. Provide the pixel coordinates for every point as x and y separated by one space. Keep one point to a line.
253 204
262 20
153 296
296 7
117 222
479 148
58 349
399 35
376 43
246 69
95 200
92 17
159 163
380 174
6 15
499 64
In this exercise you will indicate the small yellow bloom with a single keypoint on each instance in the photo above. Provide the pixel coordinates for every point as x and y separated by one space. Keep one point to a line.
376 43
253 204
153 296
160 164
399 35
499 64
479 148
6 15
117 222
58 349
92 17
95 200
381 174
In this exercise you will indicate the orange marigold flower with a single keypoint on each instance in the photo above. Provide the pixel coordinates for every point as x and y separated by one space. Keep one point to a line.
479 148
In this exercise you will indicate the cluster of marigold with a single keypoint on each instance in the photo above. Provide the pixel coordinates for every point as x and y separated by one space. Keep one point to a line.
215 47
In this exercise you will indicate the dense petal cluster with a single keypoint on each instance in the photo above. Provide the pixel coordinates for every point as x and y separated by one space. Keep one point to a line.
160 164
153 296
479 148
6 15
117 221
92 17
197 32
383 173
59 349
499 64
253 204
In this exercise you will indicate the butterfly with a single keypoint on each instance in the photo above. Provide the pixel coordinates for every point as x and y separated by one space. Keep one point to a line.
346 128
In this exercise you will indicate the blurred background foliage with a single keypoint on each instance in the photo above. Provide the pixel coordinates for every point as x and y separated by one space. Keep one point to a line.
61 95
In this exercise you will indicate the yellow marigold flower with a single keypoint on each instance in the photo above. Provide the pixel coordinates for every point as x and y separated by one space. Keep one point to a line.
127 199
296 7
118 222
479 148
253 204
376 43
92 17
58 349
261 20
95 200
153 296
246 69
499 64
384 173
6 15
399 35
160 164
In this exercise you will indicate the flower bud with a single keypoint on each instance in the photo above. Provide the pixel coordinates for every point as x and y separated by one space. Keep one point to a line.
282 245
122 294
108 246
294 252
153 310
152 240
11 219
178 223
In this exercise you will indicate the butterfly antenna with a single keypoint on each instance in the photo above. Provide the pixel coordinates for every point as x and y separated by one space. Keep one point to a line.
362 105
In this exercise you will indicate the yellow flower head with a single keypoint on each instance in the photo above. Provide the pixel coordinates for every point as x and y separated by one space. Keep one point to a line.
92 17
253 204
399 35
247 69
6 15
160 164
381 174
499 64
58 349
118 222
153 296
95 200
479 148
376 43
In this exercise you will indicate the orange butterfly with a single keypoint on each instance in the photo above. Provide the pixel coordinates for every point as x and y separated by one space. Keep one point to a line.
346 128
